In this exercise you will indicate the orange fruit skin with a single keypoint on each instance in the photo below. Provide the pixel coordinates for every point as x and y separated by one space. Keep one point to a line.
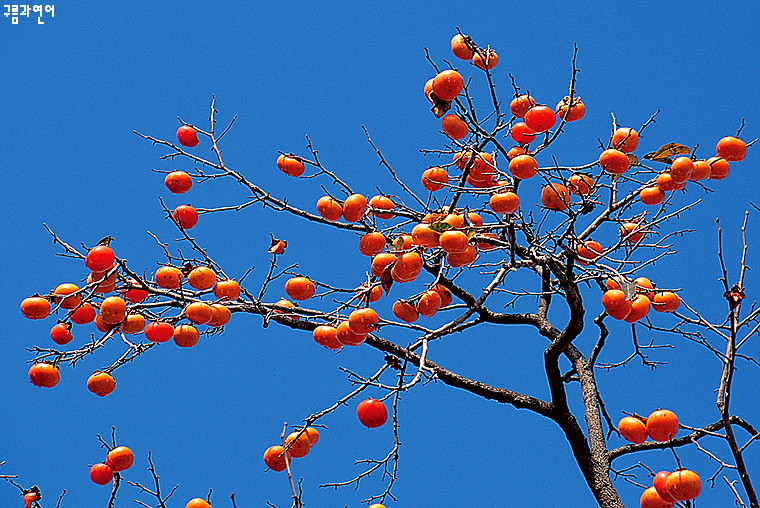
101 383
276 458
120 458
651 499
615 304
731 148
459 47
290 165
633 429
625 139
447 85
35 307
44 375
662 425
683 485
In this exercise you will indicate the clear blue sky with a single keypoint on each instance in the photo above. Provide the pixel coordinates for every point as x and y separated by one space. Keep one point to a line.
76 87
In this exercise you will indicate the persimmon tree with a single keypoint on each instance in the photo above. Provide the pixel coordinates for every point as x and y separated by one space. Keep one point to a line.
500 230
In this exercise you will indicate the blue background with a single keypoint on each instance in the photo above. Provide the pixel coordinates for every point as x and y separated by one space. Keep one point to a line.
76 87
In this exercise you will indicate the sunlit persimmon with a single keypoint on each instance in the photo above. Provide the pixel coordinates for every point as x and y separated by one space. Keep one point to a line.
120 458
99 258
101 383
201 277
651 499
35 307
521 104
453 241
300 288
429 303
381 261
666 183
460 47
463 258
633 429
652 195
67 302
540 118
632 232
454 127
178 182
44 374
405 311
662 425
644 286
169 277
133 323
683 485
363 321
701 170
61 333
485 59
220 315
101 474
522 134
382 206
347 337
354 207
134 293
640 306
83 315
186 336
329 208
625 139
555 196
681 169
589 251
454 220
580 184
289 165
576 111
444 293
102 326
666 301
523 167
106 282
719 168
433 178
408 266
227 290
327 337
474 219
185 216
731 148
504 202
276 458
616 304
113 310
159 331
298 444
614 161
199 313
372 243
447 85
660 485
288 305
198 503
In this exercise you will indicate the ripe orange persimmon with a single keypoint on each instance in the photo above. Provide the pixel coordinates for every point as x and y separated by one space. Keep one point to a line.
186 336
106 284
382 207
185 216
327 336
666 183
372 413
220 315
652 195
61 333
666 301
453 242
101 383
517 150
719 168
44 374
227 290
276 458
429 303
133 323
329 208
102 326
447 85
363 321
83 315
68 302
555 196
580 184
681 169
731 148
201 277
169 277
298 444
589 251
625 139
521 104
485 59
290 165
454 220
651 499
522 134
644 286
199 313
660 485
347 337
633 429
197 503
113 310
662 425
640 306
354 207
381 261
178 182
464 258
614 161
313 435
372 243
631 232
474 219
424 236
35 307
159 331
120 458
133 292
454 127
407 267
504 202
99 258
287 304
405 311
444 293
101 474
523 167
460 47
300 288
616 304
434 177
683 485
540 118
577 110
701 170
